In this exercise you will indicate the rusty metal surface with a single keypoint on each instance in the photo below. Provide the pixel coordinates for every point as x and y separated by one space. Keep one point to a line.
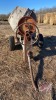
25 23
17 14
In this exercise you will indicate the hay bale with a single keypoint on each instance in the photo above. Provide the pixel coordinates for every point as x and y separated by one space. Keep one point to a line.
50 18
40 18
53 19
46 18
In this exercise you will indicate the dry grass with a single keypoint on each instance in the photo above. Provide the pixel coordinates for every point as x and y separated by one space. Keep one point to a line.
50 18
4 17
53 19
40 18
47 18
15 81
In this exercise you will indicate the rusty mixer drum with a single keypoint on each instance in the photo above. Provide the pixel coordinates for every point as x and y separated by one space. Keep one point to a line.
25 24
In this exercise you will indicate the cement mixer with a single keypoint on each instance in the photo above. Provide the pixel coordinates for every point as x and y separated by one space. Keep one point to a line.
24 25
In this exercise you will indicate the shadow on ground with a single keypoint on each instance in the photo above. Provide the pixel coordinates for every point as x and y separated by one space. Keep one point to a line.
18 47
49 49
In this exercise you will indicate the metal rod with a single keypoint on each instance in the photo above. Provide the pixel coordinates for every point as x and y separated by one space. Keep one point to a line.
25 58
31 73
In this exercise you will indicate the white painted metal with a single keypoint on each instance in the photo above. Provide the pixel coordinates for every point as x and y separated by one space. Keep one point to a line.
15 16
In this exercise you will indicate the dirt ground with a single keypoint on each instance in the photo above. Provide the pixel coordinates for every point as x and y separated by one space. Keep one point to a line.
15 81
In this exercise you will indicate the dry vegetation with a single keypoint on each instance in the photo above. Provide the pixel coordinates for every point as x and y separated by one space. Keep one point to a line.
47 16
40 18
50 18
4 17
15 81
53 19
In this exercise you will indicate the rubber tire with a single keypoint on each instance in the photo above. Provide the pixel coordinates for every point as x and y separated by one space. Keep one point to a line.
40 40
12 43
